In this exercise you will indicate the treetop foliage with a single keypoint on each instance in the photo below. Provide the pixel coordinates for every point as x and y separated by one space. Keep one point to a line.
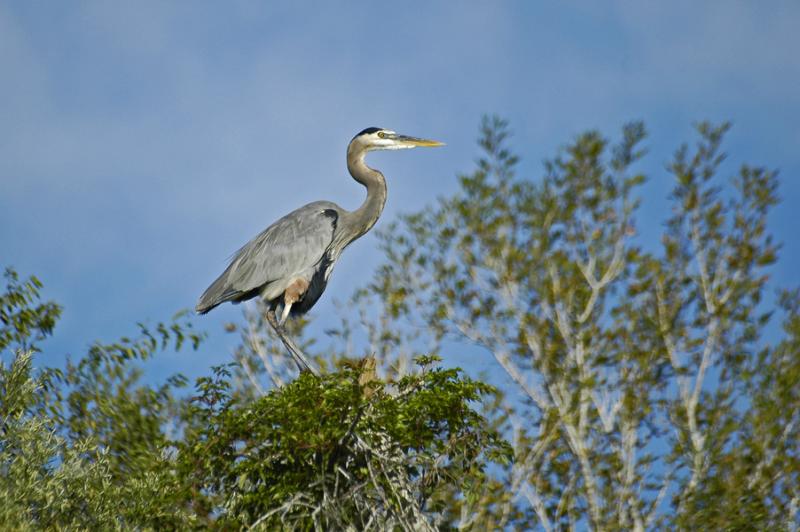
91 446
640 388
640 365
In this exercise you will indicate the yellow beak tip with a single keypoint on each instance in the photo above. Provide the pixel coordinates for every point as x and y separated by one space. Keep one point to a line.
432 143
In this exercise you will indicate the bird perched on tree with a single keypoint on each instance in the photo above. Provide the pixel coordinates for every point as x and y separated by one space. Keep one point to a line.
289 263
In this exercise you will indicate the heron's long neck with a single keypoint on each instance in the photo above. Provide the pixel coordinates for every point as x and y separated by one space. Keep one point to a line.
363 218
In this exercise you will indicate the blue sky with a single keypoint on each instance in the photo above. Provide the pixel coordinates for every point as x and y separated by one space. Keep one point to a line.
141 143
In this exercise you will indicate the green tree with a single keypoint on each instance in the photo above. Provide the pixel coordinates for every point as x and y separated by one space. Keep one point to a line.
645 391
646 395
84 447
340 451
24 323
91 446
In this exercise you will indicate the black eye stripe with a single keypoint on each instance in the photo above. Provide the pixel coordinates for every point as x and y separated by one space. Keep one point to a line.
368 131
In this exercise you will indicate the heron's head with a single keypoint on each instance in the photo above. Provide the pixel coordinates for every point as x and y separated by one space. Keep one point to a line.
376 138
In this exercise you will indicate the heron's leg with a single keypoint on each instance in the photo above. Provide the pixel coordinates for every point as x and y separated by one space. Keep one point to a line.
299 358
285 313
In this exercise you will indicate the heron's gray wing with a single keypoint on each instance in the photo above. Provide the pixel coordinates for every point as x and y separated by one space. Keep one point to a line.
291 245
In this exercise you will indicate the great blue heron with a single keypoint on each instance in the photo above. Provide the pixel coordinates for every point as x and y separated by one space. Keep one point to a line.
289 263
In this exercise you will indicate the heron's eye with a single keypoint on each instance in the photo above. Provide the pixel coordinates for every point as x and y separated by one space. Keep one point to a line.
381 134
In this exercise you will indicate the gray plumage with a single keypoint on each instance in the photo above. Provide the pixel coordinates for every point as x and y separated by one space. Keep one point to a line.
289 263
297 245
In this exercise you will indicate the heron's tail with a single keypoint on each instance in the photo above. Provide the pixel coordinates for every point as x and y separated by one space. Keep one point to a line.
204 308
215 295
221 292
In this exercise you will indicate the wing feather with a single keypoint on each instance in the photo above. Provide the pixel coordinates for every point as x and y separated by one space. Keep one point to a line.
289 247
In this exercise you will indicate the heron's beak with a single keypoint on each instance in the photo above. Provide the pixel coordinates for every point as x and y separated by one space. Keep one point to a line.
412 142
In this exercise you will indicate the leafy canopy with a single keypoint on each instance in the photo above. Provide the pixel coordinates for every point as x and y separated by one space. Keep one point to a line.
642 386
